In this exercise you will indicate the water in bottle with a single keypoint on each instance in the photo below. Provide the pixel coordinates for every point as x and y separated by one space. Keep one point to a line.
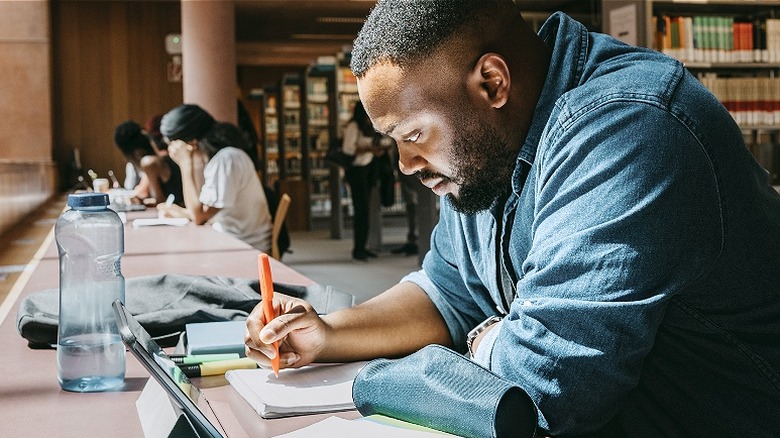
90 242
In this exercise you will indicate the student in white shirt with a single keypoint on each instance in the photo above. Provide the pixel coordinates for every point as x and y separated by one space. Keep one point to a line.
231 197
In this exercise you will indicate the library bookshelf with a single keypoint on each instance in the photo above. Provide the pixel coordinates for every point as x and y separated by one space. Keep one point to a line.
733 47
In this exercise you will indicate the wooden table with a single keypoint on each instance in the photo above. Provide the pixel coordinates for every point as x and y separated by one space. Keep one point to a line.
31 401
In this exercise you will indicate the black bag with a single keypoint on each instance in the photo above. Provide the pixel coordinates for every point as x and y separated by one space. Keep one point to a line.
336 156
386 177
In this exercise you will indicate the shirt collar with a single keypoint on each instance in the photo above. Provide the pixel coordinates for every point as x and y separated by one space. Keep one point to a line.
568 40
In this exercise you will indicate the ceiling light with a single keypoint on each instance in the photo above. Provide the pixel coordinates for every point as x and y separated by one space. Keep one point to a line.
355 20
322 36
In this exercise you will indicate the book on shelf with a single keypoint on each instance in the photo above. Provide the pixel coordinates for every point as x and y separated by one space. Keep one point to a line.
718 39
347 82
752 101
318 112
317 89
270 104
291 96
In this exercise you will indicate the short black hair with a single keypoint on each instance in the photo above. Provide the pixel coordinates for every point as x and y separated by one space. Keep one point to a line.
130 137
404 31
186 122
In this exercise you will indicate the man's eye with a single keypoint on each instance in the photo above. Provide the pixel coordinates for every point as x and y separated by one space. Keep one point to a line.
413 138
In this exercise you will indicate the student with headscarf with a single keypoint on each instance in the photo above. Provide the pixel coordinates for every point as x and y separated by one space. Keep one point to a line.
230 197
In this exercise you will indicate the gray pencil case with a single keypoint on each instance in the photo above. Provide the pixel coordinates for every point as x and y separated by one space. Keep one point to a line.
441 389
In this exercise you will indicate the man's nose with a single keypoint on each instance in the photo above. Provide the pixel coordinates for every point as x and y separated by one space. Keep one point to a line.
409 162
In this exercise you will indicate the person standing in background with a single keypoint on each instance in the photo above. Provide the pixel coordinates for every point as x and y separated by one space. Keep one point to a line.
231 196
361 176
410 193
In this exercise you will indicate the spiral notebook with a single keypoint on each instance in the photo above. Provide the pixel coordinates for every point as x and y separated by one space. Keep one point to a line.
312 389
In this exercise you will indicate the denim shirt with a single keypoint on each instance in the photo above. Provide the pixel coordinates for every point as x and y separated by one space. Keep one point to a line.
642 242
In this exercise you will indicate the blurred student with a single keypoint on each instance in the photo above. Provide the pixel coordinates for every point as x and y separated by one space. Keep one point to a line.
155 176
152 127
361 176
231 197
410 193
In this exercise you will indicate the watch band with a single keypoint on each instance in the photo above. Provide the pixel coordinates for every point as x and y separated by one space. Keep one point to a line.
481 327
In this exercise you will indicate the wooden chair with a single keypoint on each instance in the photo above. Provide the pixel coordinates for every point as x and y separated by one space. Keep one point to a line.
281 213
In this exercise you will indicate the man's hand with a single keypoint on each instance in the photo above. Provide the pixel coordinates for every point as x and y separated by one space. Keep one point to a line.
300 331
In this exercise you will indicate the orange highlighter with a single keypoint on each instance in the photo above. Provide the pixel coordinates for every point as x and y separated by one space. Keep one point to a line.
267 292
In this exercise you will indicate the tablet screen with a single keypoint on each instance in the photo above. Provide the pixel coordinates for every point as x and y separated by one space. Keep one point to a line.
178 386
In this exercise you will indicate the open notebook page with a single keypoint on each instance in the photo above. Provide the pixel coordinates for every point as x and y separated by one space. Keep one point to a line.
312 389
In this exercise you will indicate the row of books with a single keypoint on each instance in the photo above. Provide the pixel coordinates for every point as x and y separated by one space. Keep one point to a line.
718 39
347 82
752 101
291 96
317 89
318 114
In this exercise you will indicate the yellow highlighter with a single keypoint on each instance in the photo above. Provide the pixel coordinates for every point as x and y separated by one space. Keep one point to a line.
218 367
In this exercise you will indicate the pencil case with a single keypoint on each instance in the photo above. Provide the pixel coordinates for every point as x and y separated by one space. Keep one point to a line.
441 389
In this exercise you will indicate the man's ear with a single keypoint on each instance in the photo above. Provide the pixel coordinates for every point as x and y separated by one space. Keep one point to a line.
490 79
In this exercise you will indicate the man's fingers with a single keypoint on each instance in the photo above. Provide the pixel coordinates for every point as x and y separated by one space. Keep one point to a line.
257 356
282 325
286 359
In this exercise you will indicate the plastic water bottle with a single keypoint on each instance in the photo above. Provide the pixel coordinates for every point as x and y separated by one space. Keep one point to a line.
90 241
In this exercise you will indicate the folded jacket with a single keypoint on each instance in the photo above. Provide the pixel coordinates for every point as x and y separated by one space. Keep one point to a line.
164 304
439 388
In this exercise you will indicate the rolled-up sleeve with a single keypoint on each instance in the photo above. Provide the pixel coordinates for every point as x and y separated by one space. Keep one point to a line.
449 278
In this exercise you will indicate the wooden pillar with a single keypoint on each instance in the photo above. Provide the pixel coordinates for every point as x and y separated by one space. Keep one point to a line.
208 44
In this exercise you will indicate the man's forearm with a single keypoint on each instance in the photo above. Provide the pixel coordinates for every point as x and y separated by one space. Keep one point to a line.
398 322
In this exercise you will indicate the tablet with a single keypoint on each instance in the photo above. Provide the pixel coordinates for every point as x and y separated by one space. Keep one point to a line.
180 389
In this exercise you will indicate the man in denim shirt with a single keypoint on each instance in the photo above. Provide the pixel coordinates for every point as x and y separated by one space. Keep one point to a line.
602 214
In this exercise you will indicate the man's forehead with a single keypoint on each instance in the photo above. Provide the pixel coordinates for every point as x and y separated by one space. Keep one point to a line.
380 81
381 89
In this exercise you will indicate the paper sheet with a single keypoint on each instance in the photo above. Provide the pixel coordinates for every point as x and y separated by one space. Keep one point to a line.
362 428
174 221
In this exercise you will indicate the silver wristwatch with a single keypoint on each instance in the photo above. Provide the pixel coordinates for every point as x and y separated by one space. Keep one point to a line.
481 327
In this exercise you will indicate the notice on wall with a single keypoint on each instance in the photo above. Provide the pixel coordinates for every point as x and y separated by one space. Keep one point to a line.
174 69
623 25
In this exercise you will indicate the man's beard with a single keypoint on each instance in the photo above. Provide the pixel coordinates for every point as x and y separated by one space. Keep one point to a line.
483 164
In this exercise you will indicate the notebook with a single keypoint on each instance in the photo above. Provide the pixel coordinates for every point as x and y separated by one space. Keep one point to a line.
311 389
216 337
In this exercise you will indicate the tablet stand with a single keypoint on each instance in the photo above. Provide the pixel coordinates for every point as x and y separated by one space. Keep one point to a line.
159 416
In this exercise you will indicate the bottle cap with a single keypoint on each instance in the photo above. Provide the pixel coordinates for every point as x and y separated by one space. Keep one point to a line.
82 200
